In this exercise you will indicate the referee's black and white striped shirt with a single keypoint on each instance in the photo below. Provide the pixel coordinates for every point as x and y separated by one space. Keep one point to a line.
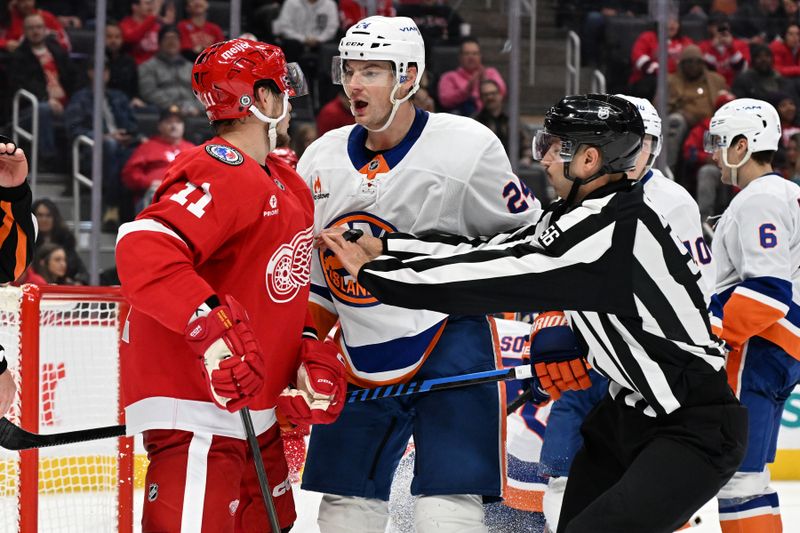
627 284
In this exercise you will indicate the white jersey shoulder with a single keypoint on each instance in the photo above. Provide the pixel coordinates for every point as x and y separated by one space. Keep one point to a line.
758 235
450 174
675 205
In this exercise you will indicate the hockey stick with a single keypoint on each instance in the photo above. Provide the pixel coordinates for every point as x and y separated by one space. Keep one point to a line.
519 401
16 438
266 492
435 384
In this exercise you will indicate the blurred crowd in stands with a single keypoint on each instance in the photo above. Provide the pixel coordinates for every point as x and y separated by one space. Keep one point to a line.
149 112
717 50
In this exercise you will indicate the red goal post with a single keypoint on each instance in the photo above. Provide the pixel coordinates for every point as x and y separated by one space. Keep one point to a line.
62 344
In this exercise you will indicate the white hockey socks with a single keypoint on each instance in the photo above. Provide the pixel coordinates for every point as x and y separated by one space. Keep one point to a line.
351 514
457 513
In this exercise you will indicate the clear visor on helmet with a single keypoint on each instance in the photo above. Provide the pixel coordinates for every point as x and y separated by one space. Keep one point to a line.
348 72
713 142
552 147
296 80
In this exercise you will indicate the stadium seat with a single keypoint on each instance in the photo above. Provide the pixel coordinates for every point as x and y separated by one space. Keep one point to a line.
82 41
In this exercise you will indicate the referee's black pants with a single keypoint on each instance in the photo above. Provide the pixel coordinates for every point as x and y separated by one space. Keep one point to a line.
637 473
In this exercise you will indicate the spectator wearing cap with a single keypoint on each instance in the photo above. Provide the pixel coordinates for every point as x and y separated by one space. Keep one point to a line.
166 78
120 133
722 52
786 52
140 28
644 57
197 32
143 172
459 90
692 91
18 10
761 81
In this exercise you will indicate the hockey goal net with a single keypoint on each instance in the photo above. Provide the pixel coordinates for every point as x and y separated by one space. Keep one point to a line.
62 345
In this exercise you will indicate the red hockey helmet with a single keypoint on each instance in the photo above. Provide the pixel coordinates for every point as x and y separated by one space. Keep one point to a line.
225 73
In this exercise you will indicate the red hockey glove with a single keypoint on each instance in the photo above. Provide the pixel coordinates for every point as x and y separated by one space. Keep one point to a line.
233 363
321 385
556 357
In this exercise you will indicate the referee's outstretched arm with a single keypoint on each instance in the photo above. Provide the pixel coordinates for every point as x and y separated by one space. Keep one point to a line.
576 263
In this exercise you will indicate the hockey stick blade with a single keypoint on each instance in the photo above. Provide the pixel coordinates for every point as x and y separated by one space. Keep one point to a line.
15 438
435 384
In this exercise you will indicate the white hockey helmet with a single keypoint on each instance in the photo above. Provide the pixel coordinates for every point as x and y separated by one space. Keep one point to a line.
652 125
395 39
756 120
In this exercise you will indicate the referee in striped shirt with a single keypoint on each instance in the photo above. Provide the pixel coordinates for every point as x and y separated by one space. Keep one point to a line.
670 433
17 237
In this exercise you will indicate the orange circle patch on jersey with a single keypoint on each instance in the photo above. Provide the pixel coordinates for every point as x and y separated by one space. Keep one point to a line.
342 285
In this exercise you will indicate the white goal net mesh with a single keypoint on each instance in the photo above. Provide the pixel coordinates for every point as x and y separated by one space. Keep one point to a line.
78 373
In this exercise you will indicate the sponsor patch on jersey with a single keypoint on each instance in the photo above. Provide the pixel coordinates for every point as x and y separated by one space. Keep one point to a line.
316 189
226 154
342 285
152 492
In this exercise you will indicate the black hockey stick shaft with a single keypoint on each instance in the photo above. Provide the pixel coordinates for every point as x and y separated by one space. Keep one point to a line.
255 449
15 438
519 401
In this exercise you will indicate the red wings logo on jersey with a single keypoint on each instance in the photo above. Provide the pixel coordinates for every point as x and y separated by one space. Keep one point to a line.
289 268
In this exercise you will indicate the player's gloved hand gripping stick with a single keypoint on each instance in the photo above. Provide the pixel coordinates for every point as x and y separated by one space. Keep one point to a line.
556 358
233 363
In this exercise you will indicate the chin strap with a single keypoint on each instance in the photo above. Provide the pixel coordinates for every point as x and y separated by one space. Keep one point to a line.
395 106
273 122
735 168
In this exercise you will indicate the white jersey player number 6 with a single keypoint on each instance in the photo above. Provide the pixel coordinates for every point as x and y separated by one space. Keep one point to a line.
196 208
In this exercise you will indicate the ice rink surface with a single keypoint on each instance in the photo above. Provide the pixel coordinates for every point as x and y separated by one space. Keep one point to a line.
307 503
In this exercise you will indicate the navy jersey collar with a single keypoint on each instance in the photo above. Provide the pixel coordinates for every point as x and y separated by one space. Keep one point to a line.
360 155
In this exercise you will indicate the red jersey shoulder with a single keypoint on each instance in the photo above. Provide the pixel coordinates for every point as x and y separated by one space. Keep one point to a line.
287 176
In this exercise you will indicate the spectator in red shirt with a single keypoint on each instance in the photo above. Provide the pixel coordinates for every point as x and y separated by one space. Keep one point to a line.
722 52
197 33
786 52
644 57
334 114
459 90
351 11
143 172
19 9
140 29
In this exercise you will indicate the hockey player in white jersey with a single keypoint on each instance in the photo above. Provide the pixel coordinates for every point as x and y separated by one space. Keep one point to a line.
756 252
677 207
403 169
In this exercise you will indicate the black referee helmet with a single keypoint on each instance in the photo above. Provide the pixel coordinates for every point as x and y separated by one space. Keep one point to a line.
609 123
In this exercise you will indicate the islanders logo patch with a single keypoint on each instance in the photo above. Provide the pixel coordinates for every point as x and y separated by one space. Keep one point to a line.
342 285
226 154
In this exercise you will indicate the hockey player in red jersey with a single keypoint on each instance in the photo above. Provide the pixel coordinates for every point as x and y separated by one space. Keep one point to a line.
217 273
